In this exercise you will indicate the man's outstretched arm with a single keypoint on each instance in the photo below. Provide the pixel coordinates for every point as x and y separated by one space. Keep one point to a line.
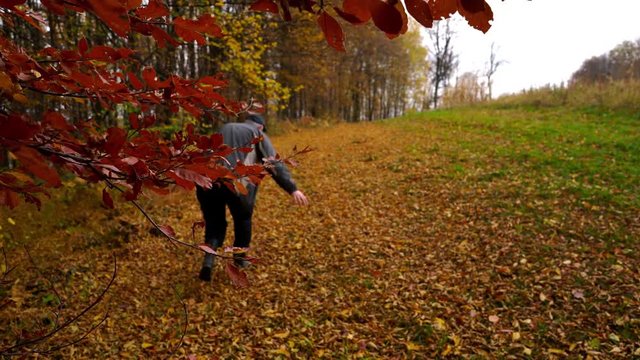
281 174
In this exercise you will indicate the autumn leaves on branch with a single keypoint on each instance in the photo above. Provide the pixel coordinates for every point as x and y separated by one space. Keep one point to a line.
388 16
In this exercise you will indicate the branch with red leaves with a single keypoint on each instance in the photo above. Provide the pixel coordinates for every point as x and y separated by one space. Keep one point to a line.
389 16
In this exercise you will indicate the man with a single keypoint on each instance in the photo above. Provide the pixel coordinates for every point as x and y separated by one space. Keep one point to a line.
213 202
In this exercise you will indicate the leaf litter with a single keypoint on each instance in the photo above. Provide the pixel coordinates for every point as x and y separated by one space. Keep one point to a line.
407 251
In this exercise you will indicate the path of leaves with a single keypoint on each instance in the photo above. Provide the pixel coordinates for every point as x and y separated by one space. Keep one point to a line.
400 255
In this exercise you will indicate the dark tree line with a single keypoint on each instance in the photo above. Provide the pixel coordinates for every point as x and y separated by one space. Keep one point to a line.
376 78
621 63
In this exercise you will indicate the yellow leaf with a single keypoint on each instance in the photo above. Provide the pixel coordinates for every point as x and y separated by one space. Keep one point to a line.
456 340
556 351
439 324
146 345
413 347
282 335
527 351
11 221
20 98
5 82
447 350
515 336
281 351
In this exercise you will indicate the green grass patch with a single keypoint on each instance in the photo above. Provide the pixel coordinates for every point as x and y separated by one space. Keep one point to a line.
591 156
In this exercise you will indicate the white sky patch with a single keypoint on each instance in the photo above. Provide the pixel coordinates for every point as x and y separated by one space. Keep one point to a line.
545 41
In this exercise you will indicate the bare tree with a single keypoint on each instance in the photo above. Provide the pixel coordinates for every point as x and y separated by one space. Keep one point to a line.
443 60
492 67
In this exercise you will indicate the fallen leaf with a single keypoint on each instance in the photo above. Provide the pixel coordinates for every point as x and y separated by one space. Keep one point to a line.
578 294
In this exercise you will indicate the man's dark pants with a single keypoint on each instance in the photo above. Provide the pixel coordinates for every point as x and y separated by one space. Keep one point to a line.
213 203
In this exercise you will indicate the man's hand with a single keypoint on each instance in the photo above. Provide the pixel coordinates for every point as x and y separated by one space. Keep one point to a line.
299 198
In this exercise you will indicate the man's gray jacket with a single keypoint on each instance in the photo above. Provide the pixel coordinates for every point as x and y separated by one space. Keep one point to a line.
241 135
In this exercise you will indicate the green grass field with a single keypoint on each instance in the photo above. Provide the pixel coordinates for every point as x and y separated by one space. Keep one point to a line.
466 233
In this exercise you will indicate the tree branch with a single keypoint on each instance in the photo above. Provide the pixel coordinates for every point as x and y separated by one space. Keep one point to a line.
11 350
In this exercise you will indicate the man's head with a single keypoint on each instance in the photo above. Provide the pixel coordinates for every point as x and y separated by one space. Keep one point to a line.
259 120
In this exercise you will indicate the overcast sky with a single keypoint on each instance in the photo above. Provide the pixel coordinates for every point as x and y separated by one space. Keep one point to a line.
545 41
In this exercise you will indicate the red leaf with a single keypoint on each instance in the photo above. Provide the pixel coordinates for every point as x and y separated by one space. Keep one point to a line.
106 199
194 177
180 181
116 137
132 4
332 31
167 230
11 3
15 127
443 9
348 17
480 19
187 33
56 121
420 11
161 37
358 8
237 276
245 149
148 121
240 188
197 224
216 141
155 9
101 53
31 199
405 21
135 82
265 6
193 30
141 169
472 6
31 160
113 13
7 179
244 170
207 249
9 198
83 46
386 17
149 76
133 121
213 81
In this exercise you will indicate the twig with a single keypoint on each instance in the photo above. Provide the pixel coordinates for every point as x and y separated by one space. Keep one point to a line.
6 262
186 323
9 350
56 348
6 265
33 263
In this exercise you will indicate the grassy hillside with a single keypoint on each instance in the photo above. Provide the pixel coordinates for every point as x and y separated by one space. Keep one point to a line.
481 233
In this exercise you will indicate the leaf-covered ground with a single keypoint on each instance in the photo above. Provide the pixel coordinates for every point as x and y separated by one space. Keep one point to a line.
463 234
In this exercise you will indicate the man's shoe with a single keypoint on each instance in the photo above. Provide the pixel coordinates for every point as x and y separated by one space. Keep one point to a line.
205 273
240 261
